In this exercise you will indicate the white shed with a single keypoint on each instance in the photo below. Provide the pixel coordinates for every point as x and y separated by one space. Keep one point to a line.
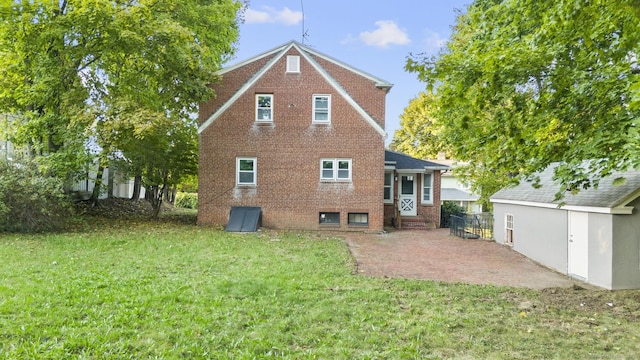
594 236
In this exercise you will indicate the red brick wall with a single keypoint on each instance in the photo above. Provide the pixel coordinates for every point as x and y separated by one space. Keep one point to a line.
288 152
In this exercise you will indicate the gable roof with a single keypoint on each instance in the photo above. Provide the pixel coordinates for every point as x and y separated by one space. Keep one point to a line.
405 162
306 53
607 198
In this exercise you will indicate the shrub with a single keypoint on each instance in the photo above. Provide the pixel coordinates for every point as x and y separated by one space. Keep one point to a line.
186 200
447 209
31 201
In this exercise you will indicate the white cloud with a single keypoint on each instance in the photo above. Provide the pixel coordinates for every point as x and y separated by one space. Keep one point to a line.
433 42
387 33
269 15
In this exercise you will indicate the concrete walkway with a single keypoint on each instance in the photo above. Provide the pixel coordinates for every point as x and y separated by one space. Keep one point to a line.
436 255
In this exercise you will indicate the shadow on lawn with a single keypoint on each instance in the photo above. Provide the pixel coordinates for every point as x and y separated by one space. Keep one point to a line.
118 212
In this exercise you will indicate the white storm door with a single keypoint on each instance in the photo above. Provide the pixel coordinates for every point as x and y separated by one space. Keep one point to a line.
578 244
407 197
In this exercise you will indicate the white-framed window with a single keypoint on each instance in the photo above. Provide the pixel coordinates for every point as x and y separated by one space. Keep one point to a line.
264 107
293 63
321 108
388 187
358 219
246 171
335 169
508 229
427 188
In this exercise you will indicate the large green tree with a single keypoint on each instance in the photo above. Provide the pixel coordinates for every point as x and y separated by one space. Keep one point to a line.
418 133
523 84
63 61
161 151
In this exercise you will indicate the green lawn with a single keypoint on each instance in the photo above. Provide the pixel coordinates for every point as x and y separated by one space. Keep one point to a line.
160 290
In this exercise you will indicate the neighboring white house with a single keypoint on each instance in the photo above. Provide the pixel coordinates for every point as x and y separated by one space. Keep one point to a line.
594 236
122 186
6 150
454 190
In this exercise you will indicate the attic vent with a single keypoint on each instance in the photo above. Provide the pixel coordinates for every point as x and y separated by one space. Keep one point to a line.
293 64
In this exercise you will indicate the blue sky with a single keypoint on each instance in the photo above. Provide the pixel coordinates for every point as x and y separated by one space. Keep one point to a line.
373 36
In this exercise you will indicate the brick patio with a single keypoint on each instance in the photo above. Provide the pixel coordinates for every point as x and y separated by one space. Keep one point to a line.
436 255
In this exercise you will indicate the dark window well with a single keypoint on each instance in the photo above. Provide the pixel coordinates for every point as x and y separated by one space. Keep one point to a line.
358 219
329 218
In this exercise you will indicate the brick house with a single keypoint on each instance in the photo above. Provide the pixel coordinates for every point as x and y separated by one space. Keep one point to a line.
300 135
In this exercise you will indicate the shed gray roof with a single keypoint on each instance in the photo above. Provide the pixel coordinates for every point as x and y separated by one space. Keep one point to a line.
606 196
406 162
456 195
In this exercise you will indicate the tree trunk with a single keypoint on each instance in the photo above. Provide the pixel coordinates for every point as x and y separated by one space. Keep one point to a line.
167 194
137 184
170 194
97 185
111 174
174 192
156 200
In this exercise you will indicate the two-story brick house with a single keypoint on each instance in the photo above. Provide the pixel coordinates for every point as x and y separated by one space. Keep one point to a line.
300 135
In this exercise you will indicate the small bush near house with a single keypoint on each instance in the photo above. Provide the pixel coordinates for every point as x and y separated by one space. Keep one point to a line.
31 201
187 200
447 209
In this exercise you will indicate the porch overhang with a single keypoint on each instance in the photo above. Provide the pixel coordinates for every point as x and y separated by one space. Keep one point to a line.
414 171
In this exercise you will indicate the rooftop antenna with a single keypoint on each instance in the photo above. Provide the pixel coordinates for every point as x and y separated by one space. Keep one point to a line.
305 33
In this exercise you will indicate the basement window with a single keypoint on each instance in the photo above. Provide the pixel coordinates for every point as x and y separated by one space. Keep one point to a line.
330 218
359 219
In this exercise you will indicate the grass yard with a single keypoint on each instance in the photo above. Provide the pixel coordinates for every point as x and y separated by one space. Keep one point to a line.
165 290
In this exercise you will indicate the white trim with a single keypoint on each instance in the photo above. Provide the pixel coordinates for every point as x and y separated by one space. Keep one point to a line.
263 120
254 171
391 192
335 169
250 60
303 50
622 210
422 201
293 64
380 83
244 87
313 109
344 94
508 236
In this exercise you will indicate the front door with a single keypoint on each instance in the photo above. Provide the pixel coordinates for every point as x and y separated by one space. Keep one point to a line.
407 198
578 244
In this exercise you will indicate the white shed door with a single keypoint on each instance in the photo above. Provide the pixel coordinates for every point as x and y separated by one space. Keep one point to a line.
578 244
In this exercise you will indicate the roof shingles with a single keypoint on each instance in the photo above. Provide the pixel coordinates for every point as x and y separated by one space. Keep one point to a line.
406 162
606 195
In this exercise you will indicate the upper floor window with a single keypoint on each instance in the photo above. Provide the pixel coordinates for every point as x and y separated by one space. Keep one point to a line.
264 107
427 188
246 171
335 169
293 64
322 108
